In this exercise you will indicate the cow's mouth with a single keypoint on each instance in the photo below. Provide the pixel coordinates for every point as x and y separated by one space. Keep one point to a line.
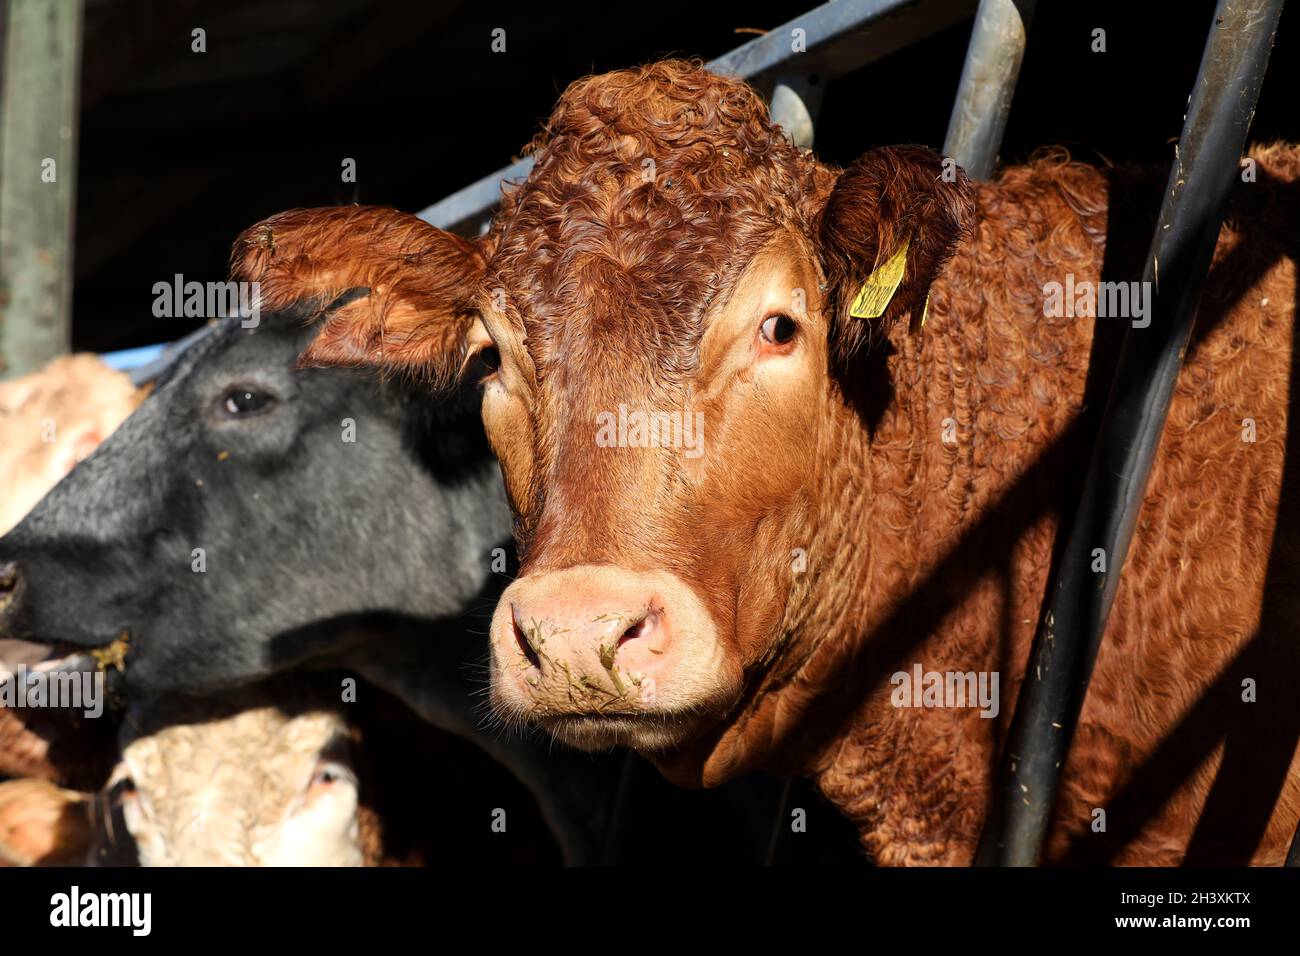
38 657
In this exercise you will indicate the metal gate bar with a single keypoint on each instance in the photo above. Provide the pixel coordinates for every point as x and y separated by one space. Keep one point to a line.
1206 164
988 82
40 62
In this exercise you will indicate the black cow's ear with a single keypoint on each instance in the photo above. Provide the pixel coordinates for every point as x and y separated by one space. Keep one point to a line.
892 220
398 289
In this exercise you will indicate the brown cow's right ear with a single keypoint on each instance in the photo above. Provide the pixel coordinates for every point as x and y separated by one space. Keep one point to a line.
892 220
405 285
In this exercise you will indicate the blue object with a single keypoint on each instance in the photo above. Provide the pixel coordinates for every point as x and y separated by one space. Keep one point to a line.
128 359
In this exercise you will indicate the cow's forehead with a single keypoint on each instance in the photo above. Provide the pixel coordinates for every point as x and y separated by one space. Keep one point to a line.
625 285
194 761
651 190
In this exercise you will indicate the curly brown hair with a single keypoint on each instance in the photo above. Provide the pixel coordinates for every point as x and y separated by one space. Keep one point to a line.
651 184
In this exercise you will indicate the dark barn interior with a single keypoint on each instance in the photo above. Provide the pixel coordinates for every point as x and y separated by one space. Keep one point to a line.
179 151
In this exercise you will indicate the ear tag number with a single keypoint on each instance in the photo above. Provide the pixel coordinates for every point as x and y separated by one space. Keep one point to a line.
873 298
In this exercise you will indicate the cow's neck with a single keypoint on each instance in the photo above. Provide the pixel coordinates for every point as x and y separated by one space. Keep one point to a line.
925 555
906 598
938 503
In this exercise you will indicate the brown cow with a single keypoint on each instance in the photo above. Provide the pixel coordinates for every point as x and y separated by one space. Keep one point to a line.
749 517
52 419
251 782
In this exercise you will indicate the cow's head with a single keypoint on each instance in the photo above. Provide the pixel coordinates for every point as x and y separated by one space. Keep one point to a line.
263 777
248 513
262 780
670 307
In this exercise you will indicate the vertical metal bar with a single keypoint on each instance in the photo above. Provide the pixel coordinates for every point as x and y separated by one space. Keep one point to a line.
38 122
1206 166
796 101
988 82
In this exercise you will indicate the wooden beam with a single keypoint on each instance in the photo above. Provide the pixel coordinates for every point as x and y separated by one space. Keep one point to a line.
38 123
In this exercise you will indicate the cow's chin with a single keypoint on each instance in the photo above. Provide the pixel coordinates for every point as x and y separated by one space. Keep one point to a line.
645 733
649 730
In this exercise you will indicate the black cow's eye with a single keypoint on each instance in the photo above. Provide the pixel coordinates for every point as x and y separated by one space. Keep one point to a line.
242 400
490 358
778 329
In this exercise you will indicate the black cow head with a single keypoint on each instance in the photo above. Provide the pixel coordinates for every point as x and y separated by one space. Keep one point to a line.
250 516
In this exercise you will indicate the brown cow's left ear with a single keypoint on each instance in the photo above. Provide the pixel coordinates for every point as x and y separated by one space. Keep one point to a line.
393 291
893 219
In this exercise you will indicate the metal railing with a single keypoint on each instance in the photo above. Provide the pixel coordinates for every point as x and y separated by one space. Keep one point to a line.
988 81
1206 165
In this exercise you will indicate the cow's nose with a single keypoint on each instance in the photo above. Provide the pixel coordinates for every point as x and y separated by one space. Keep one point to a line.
590 640
590 632
603 656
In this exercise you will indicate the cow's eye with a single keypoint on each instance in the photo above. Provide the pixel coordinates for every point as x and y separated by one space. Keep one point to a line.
485 364
124 789
242 401
778 329
329 772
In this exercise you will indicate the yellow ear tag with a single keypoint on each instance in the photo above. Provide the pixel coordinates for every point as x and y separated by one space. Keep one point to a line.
925 314
873 298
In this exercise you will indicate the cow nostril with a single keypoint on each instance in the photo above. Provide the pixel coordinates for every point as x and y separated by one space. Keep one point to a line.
525 635
640 628
8 578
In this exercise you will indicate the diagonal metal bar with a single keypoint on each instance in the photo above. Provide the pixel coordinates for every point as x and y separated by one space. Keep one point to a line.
1206 165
